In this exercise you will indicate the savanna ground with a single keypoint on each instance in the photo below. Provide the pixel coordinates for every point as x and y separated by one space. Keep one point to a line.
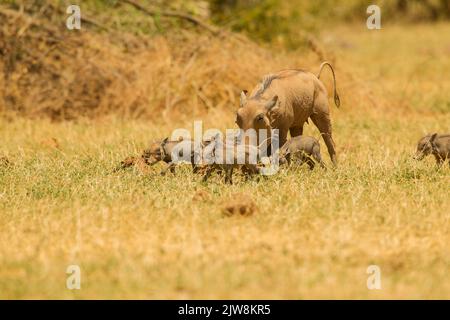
136 234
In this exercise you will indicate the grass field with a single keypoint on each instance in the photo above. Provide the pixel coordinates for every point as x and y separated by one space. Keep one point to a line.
136 234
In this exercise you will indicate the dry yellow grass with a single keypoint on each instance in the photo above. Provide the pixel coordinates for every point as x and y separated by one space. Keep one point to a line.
91 74
141 235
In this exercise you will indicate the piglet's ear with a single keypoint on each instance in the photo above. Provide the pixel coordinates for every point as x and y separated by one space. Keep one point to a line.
433 137
165 141
243 99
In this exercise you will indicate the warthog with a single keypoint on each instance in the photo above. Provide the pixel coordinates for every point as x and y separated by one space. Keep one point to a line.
303 148
285 100
435 144
165 150
223 156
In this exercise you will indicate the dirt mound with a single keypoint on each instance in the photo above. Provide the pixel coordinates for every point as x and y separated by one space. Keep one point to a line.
239 205
201 195
49 70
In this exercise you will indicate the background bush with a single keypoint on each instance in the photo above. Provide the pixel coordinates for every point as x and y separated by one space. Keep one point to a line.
282 22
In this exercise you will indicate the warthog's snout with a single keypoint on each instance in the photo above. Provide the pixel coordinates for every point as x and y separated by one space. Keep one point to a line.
282 158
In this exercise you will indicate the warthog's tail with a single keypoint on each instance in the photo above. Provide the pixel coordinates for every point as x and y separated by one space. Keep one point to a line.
337 101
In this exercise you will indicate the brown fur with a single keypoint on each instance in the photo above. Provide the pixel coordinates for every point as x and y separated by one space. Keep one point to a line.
302 148
162 151
435 144
247 168
126 163
285 101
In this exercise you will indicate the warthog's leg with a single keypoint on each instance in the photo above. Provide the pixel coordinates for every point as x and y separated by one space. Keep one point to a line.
170 167
439 160
311 164
283 138
304 157
288 158
209 170
229 174
195 160
195 167
323 123
316 155
249 170
296 131
245 171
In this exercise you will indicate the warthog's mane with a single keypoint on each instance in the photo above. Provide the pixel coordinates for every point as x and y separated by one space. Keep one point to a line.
267 80
265 83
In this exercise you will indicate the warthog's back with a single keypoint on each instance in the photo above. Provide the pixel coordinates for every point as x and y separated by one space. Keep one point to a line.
295 89
303 142
443 142
279 80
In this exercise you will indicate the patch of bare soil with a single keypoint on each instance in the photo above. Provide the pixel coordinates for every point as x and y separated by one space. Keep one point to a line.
239 205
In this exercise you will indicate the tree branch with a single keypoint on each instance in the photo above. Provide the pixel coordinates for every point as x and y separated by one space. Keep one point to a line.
174 14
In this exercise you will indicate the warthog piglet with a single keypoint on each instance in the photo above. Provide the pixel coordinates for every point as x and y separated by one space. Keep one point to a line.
435 144
225 156
303 148
166 149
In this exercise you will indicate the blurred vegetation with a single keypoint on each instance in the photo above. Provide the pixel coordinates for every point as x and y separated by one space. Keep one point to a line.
118 15
120 38
277 22
283 22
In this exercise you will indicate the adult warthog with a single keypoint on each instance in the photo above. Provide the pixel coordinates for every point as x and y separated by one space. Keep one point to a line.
284 101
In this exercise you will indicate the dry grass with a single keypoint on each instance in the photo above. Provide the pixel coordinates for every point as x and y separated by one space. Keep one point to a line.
141 235
89 74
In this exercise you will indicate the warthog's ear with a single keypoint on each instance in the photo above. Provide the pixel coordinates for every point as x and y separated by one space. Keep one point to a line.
272 103
164 141
433 137
433 140
243 98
